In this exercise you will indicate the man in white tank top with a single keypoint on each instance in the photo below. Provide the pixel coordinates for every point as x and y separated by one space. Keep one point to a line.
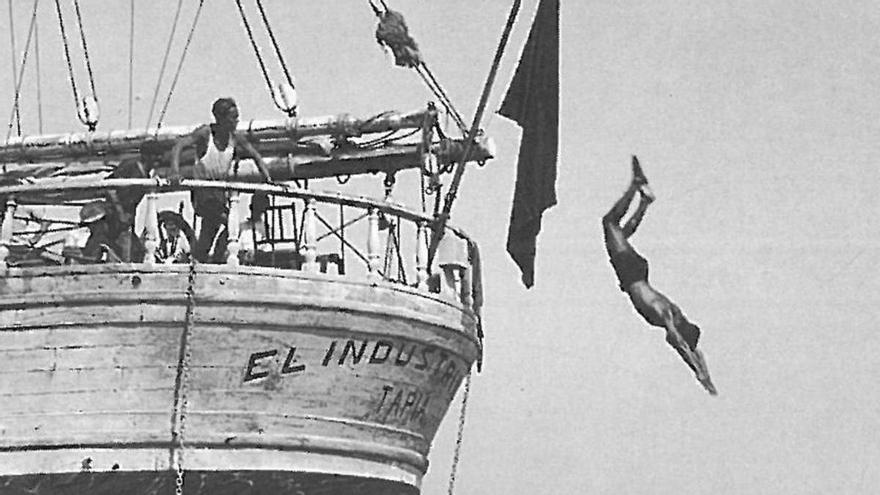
218 147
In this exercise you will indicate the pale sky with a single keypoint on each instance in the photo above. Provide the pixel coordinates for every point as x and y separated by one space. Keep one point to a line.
757 124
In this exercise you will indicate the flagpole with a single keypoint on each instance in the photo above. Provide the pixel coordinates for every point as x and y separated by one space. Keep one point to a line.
443 217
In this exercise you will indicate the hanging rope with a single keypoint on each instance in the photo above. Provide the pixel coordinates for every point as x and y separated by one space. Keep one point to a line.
130 62
164 63
456 455
189 38
20 76
288 96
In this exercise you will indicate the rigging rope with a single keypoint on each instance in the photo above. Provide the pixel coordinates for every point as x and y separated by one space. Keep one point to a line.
440 221
39 77
274 42
20 76
456 455
189 38
14 57
82 36
291 111
130 61
164 63
82 113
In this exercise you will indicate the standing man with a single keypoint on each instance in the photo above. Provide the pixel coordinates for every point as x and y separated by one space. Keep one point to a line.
632 272
218 148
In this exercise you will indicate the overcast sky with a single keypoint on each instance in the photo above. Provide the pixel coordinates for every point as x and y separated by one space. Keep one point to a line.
757 124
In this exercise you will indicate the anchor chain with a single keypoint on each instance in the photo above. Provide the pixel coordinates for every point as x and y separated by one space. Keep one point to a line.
183 375
460 435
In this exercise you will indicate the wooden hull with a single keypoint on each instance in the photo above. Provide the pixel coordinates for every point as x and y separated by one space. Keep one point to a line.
264 377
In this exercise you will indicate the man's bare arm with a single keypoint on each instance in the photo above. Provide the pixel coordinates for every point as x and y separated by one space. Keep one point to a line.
182 143
249 149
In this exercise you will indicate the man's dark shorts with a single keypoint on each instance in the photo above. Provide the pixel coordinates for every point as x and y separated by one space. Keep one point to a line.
630 267
210 203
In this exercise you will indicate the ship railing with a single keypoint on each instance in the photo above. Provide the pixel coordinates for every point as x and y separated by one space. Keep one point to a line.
303 229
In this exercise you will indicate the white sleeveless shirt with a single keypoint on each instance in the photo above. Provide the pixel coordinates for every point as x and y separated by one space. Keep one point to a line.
215 164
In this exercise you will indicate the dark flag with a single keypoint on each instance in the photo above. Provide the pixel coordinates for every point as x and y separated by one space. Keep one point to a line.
532 101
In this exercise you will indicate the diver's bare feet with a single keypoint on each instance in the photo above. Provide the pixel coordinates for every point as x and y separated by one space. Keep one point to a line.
638 174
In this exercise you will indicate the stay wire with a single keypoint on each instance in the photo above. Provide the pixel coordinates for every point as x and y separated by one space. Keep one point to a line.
164 63
189 38
20 76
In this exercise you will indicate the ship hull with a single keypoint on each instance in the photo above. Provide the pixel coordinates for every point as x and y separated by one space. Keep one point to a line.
265 378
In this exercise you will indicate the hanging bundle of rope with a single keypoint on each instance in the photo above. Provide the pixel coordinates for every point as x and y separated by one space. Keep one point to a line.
86 109
393 33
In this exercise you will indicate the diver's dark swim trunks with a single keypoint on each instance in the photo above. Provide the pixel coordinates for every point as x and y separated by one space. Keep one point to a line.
630 267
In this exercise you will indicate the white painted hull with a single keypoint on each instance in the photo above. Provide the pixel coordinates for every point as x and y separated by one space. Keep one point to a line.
285 377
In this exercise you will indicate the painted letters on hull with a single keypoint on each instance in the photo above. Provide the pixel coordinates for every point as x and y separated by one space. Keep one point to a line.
280 365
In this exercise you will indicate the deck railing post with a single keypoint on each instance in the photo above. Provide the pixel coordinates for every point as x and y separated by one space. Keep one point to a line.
151 227
421 257
233 222
373 244
6 231
310 238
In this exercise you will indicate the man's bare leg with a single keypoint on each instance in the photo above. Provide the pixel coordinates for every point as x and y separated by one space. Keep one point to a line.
616 213
636 219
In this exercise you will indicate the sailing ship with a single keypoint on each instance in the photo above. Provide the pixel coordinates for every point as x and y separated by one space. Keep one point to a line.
318 354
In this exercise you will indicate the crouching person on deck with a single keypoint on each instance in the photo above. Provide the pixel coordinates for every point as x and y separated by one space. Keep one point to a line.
218 148
121 209
106 241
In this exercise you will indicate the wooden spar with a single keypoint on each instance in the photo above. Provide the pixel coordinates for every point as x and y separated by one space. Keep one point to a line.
443 217
264 134
306 163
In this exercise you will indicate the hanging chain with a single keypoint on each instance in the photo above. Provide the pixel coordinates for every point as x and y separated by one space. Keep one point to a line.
460 436
183 372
